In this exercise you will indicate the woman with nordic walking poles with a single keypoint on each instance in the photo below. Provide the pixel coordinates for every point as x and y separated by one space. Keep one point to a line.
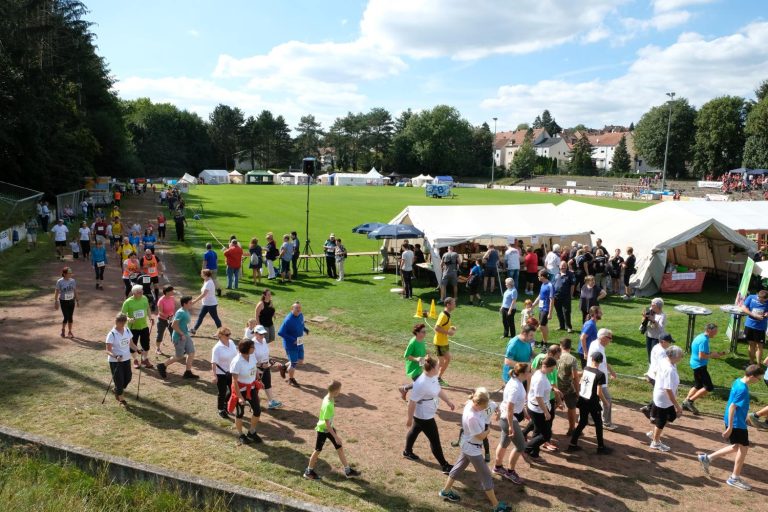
119 346
65 298
222 355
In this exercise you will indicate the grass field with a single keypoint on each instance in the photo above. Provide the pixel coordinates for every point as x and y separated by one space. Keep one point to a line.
364 309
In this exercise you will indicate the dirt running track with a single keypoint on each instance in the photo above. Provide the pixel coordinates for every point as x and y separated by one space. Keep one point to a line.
370 415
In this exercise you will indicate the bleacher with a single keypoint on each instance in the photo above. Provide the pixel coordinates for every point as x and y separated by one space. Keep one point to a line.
688 187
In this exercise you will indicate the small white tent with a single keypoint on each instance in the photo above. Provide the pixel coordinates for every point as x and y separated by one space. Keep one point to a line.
375 178
214 176
236 178
421 180
188 178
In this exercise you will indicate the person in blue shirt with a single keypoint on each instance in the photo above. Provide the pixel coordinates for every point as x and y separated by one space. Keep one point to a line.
563 286
473 283
211 262
149 240
546 302
134 239
735 419
292 331
756 308
99 262
519 350
588 333
508 308
700 356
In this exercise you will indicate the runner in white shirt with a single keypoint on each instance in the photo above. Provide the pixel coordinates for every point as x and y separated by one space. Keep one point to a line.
422 408
264 363
222 355
658 356
209 301
85 240
604 338
665 406
245 389
119 344
512 411
60 233
473 421
539 407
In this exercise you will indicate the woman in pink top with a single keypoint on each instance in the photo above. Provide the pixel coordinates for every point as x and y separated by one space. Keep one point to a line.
166 308
531 269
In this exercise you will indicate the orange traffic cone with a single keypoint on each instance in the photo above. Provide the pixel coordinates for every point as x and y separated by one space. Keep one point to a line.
419 310
433 310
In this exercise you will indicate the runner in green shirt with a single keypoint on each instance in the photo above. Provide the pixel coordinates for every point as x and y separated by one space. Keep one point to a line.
326 431
136 308
414 356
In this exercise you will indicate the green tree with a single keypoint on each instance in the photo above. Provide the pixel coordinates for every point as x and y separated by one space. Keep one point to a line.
310 132
482 152
762 90
621 163
756 146
523 126
442 140
224 129
402 158
378 130
546 121
651 135
346 135
581 158
524 159
720 137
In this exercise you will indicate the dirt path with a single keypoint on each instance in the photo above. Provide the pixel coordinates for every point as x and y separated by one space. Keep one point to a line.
175 422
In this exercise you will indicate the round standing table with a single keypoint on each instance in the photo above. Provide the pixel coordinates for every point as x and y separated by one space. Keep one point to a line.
692 312
738 315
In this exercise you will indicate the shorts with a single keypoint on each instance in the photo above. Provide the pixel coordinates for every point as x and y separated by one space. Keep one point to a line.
507 438
739 436
141 335
532 277
442 350
662 415
571 399
450 278
183 346
322 437
701 379
294 352
543 318
266 377
754 335
491 272
61 244
270 333
285 266
31 237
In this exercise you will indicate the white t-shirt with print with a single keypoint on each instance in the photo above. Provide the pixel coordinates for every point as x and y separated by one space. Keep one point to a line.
121 344
473 423
514 393
210 297
666 378
60 233
244 367
424 393
222 356
596 346
540 387
261 351
85 234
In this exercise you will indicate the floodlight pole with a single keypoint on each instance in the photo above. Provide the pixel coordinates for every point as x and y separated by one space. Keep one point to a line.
307 246
493 152
666 148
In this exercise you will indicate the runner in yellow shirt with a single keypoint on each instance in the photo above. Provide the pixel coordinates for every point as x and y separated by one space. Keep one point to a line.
443 329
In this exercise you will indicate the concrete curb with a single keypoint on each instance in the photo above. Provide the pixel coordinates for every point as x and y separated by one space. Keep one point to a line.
124 470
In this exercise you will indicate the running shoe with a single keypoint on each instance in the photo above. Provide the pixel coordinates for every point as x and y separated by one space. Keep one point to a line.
192 332
756 422
351 472
253 436
513 477
502 507
147 364
189 375
403 392
446 469
738 483
604 450
649 434
704 461
610 426
310 474
573 448
282 371
500 470
659 446
161 370
456 443
449 496
224 414
646 411
244 439
690 407
411 456
274 404
442 382
292 382
136 364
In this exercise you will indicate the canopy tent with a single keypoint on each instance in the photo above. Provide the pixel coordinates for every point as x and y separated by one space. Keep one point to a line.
236 178
421 180
260 177
755 172
188 178
742 216
488 224
214 176
657 238
323 179
374 177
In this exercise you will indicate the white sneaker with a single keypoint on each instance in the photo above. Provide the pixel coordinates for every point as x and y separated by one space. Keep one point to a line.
738 483
659 446
610 426
649 434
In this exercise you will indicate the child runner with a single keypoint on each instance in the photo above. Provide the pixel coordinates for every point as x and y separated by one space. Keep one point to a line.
473 421
326 431
736 427
75 247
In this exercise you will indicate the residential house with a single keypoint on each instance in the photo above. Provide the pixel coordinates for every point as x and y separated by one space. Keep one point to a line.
604 146
509 142
554 147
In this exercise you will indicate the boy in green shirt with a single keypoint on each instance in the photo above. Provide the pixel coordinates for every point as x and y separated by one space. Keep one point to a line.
326 431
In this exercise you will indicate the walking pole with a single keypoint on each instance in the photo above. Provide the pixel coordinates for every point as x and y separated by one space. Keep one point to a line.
138 386
109 386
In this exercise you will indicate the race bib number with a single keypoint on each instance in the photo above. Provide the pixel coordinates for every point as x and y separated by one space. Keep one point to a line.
162 224
253 372
68 295
151 270
146 279
299 342
758 311
124 342
138 314
100 263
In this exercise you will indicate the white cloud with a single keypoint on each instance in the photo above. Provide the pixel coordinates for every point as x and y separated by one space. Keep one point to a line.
192 32
660 6
472 30
596 34
694 67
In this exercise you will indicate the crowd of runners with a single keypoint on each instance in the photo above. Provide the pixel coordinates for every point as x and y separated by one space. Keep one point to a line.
537 378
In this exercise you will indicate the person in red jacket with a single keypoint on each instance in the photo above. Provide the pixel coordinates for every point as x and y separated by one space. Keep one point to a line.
234 257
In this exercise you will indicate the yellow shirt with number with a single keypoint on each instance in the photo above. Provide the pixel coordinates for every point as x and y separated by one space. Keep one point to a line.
444 322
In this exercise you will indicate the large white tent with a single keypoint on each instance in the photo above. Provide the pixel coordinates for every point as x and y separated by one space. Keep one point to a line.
657 237
743 216
214 176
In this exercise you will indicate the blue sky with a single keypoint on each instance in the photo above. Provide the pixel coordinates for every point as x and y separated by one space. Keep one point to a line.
594 62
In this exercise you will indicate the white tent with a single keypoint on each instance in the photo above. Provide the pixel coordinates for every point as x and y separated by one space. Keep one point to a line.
236 178
214 176
657 238
421 180
344 179
323 179
744 216
188 178
498 224
375 178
